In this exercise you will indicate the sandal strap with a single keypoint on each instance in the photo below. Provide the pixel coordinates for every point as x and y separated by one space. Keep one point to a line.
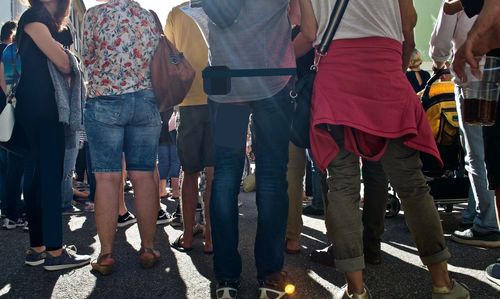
226 293
152 251
263 293
104 256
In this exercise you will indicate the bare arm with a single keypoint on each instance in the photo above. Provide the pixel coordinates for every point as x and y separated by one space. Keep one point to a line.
301 45
308 23
441 45
50 47
483 37
408 20
452 7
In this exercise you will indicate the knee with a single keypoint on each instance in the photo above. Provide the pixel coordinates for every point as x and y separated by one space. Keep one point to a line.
114 178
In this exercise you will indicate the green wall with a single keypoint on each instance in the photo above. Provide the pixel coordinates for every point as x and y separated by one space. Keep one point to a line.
427 11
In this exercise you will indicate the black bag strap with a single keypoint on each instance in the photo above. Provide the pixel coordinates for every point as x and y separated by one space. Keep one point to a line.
434 78
333 24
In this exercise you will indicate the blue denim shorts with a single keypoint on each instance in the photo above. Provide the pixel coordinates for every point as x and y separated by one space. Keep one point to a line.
128 123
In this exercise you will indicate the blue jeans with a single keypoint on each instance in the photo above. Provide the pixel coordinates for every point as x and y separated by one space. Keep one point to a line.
271 123
3 173
13 183
169 165
70 155
484 218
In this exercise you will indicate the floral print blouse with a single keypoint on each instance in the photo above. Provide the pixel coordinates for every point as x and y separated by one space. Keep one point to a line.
119 40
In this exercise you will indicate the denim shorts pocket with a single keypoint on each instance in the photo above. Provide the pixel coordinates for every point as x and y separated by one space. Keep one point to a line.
106 110
150 110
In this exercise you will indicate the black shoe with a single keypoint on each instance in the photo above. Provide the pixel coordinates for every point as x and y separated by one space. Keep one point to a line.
325 256
163 217
176 220
127 187
373 257
471 237
126 219
310 210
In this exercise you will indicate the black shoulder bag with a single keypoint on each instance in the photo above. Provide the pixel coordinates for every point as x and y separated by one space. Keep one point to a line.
303 89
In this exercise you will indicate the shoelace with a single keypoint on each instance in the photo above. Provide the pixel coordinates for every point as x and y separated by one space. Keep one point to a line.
70 249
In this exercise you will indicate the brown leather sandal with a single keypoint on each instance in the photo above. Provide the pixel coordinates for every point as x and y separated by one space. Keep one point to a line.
103 269
148 257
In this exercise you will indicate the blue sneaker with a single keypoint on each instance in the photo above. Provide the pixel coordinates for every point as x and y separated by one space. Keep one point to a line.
67 260
34 258
493 272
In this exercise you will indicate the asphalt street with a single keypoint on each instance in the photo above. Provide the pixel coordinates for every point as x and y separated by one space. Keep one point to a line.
189 275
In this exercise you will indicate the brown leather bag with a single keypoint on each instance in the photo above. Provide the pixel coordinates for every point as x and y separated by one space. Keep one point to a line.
171 73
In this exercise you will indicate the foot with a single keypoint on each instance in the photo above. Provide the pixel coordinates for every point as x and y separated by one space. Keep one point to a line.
373 258
66 260
493 272
34 257
148 257
292 246
11 224
364 295
104 264
181 245
89 207
126 219
474 238
80 194
227 289
208 248
176 220
276 285
312 211
458 291
325 256
163 217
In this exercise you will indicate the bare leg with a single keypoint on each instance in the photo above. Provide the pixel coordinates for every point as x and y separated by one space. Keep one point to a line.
163 188
122 207
107 198
209 174
439 274
189 201
355 282
146 205
497 203
174 182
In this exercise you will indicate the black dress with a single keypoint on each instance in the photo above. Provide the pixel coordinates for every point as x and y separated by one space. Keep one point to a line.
412 77
37 115
35 92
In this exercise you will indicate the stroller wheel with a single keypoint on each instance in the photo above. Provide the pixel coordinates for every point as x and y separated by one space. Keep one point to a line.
393 206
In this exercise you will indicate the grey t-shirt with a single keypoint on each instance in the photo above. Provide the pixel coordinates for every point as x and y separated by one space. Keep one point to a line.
260 38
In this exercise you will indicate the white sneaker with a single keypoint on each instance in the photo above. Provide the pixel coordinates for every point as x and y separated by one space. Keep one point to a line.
11 224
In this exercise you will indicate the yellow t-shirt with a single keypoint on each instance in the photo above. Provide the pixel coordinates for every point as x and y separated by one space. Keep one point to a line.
183 32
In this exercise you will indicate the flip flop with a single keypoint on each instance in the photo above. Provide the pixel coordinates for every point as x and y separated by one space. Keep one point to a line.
177 245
